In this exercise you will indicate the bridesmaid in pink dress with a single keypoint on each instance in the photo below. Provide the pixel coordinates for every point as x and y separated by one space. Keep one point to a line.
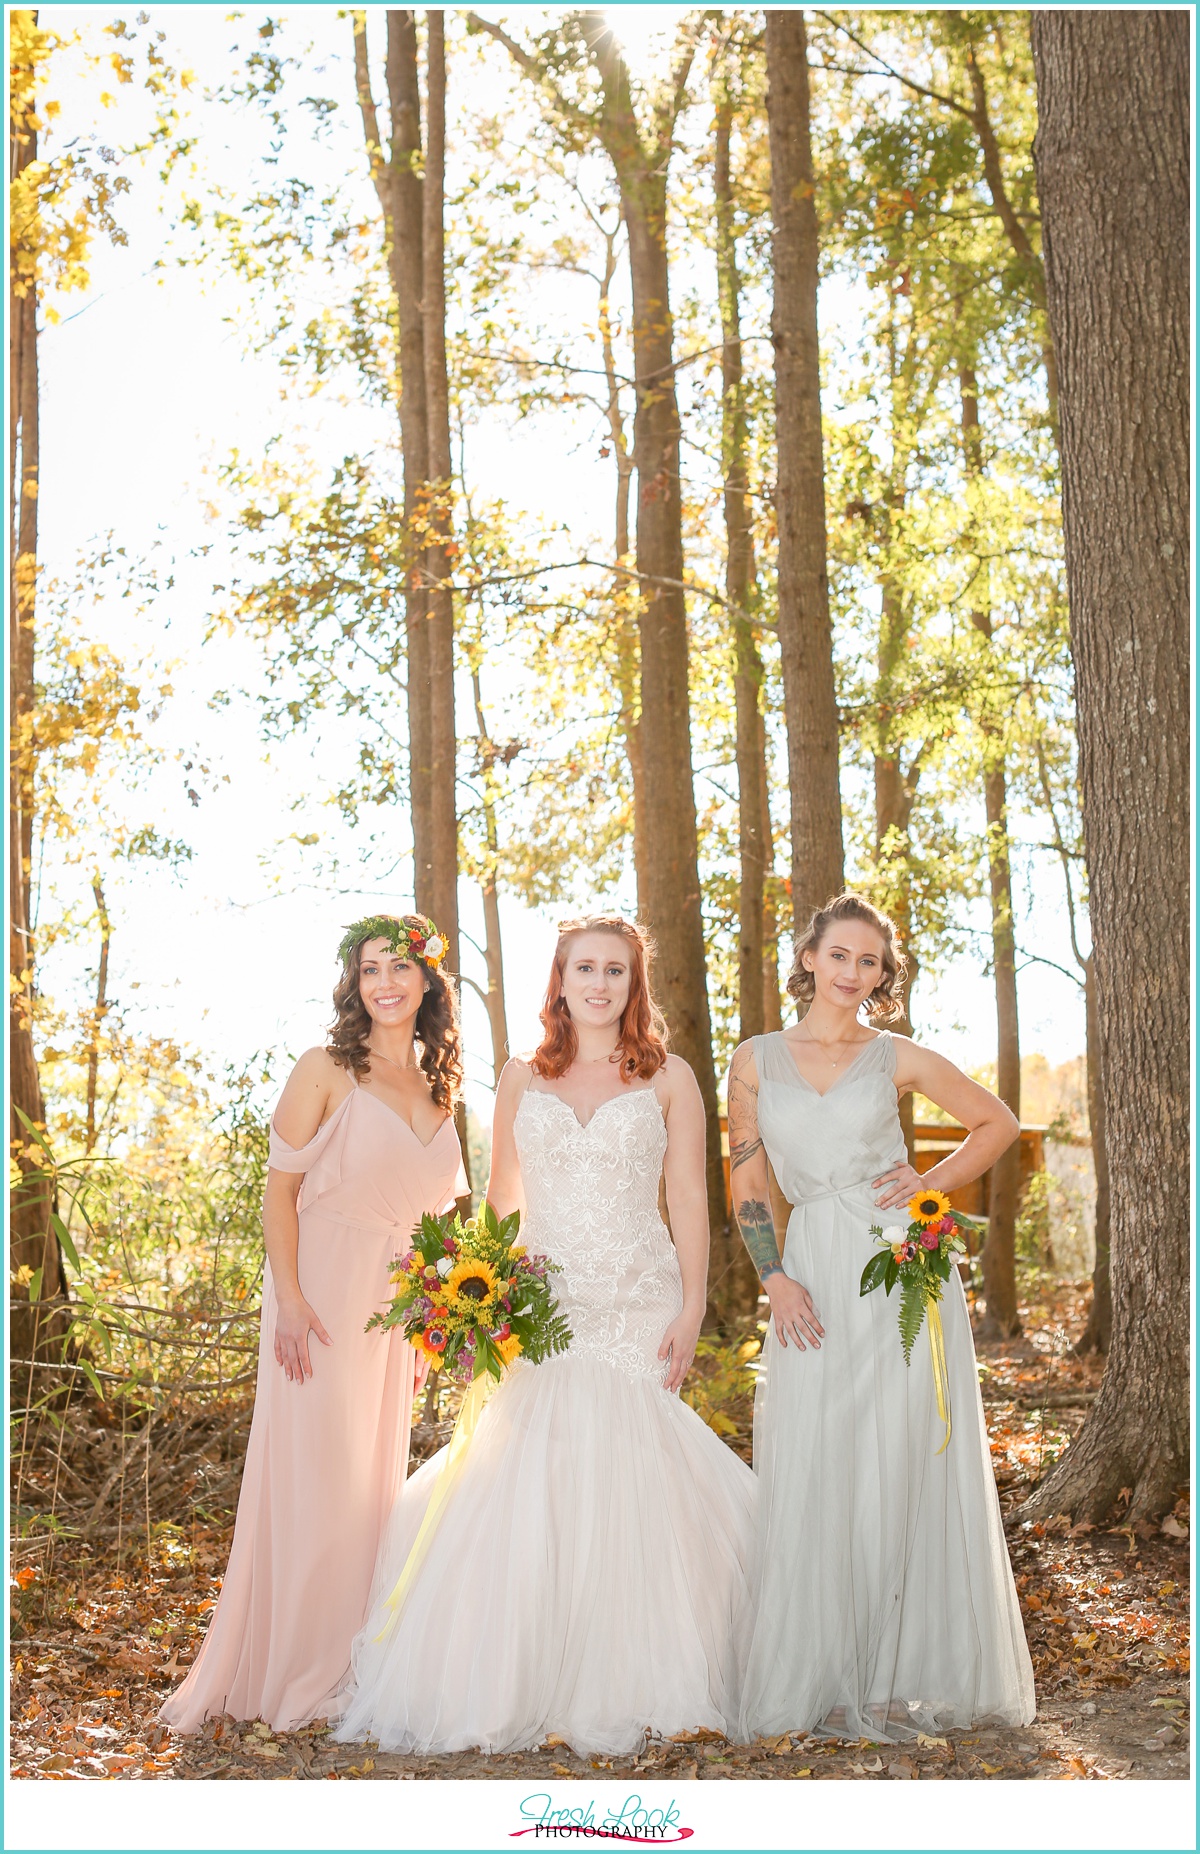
362 1145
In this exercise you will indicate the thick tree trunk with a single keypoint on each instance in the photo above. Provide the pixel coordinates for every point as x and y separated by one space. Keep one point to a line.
399 186
671 908
740 593
1097 1333
999 1260
1112 165
32 1243
805 632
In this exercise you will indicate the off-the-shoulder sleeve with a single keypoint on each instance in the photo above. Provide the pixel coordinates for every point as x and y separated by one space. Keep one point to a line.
284 1158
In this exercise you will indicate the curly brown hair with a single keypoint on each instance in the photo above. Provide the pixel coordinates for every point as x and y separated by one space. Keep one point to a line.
886 1002
436 1028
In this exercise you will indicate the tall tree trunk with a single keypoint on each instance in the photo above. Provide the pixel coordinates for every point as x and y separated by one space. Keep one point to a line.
1097 1332
895 794
999 1260
438 513
772 1003
98 1015
625 593
805 632
399 186
493 952
741 594
672 877
1112 165
32 1243
439 491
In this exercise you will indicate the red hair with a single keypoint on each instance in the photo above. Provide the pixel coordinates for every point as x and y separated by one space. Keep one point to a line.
643 1034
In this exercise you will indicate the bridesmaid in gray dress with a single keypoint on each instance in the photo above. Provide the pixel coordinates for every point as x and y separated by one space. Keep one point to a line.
883 1600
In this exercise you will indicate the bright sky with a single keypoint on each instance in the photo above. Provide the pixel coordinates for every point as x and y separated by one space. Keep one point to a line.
146 385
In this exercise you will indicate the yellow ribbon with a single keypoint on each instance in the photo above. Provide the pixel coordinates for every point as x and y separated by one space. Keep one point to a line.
937 1352
456 1454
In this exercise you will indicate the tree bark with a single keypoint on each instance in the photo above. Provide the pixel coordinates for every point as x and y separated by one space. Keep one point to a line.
626 652
741 596
1112 166
1097 1332
493 953
399 187
98 1015
32 1243
438 511
672 877
805 631
999 1259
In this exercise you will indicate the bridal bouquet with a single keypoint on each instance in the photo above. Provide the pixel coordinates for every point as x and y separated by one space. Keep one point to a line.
920 1257
472 1300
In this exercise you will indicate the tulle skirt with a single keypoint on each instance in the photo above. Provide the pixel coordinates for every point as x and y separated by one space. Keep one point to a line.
882 1597
586 1577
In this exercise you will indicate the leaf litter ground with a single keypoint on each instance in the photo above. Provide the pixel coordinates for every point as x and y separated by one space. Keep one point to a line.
105 1619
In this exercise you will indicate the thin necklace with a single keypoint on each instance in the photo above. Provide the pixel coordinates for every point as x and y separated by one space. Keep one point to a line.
833 1060
403 1067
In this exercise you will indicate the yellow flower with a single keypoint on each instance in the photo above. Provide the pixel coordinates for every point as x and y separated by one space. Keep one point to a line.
473 1280
508 1348
928 1207
518 1249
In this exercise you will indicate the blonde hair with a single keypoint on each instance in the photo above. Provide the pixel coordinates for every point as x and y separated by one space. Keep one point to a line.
886 1002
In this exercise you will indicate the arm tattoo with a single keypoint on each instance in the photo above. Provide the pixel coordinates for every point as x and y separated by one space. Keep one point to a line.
744 1140
757 1228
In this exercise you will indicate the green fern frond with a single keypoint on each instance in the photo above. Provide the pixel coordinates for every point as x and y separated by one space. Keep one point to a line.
912 1313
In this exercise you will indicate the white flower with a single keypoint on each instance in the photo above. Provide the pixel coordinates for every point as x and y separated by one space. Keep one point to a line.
435 948
445 1265
894 1234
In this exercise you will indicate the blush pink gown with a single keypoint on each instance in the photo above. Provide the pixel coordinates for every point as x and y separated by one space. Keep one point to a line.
326 1458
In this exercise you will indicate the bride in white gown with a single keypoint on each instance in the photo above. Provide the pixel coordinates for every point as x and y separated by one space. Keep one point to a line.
883 1602
588 1567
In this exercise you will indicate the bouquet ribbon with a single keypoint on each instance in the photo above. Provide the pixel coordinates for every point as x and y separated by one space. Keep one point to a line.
456 1454
937 1352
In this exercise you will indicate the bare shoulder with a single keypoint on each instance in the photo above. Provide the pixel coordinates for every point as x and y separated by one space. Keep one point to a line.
916 1062
743 1068
316 1068
675 1081
515 1077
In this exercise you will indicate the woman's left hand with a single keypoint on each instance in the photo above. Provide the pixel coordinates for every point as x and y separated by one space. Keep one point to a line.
679 1344
898 1185
421 1372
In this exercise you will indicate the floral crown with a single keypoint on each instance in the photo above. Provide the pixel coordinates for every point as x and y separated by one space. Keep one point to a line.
428 947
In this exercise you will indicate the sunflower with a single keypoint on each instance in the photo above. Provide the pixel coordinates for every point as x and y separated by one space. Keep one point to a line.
473 1282
508 1348
928 1207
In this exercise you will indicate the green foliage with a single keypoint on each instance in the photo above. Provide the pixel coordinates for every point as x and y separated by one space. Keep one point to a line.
914 1294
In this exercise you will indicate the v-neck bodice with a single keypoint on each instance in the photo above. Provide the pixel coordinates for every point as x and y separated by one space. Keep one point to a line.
366 1165
819 1144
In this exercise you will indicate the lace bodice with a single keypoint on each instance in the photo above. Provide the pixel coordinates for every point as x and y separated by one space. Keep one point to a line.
591 1194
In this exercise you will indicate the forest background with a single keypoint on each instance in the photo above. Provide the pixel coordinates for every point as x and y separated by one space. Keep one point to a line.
215 765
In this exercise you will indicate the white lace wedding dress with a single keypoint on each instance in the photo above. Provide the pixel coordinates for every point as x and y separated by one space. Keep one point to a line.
589 1565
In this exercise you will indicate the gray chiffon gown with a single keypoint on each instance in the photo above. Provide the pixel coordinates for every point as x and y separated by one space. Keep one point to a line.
882 1596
